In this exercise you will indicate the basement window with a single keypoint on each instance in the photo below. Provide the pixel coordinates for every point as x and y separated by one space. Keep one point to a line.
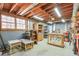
20 23
7 22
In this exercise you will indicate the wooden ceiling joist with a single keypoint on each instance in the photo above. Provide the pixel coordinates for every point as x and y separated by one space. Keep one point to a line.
44 10
26 11
34 12
36 8
45 13
39 6
65 6
1 6
50 7
46 6
68 12
13 7
24 7
41 13
67 9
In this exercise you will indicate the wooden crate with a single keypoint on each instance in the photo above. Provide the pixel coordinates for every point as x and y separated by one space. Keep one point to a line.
27 46
14 47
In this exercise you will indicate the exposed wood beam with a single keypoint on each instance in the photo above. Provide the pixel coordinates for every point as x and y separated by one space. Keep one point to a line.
62 4
65 6
13 15
1 6
44 12
13 7
36 8
67 17
30 14
68 12
41 13
38 13
34 12
39 6
24 7
25 11
52 13
51 6
67 9
45 15
46 18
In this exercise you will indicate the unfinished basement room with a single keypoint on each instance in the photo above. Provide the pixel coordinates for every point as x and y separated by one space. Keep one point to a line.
39 29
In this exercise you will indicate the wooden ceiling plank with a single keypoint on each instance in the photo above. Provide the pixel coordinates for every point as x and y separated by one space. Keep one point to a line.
51 6
36 8
24 7
66 9
34 12
62 4
40 5
45 13
39 12
67 12
13 7
65 6
26 11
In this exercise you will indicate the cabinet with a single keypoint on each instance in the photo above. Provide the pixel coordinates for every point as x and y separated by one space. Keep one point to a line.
40 32
38 27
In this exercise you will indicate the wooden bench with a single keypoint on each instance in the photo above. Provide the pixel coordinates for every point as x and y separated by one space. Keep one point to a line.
14 44
27 44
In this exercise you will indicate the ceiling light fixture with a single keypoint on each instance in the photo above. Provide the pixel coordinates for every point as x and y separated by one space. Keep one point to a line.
57 11
50 22
63 20
38 18
52 18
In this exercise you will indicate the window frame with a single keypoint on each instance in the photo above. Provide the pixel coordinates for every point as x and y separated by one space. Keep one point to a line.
21 24
15 29
6 29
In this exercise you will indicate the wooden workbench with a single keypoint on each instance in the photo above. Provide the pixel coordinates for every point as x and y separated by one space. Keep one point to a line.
56 39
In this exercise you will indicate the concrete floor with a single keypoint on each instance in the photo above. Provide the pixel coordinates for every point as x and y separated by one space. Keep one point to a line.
43 49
